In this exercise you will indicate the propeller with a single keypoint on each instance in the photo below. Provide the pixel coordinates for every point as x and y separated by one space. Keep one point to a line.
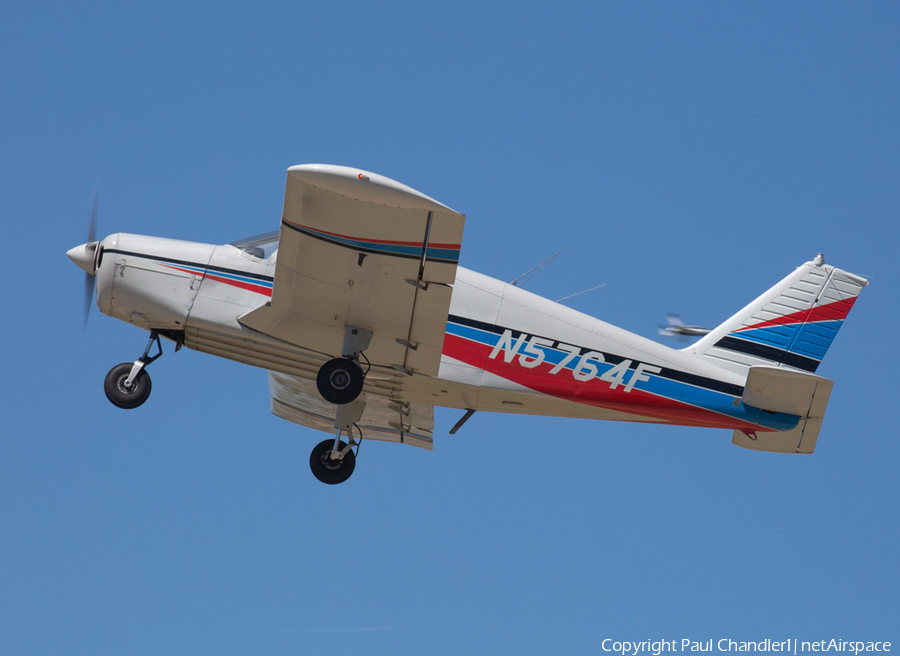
90 278
85 256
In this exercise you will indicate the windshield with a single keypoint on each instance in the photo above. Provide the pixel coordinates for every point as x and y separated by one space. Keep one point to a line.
261 246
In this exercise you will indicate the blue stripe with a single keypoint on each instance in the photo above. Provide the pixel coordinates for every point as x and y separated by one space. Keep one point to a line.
232 276
223 274
195 269
809 339
700 397
447 254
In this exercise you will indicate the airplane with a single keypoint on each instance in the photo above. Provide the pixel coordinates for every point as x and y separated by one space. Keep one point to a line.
359 312
677 328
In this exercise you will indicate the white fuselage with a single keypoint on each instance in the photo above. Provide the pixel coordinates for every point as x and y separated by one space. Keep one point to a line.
505 350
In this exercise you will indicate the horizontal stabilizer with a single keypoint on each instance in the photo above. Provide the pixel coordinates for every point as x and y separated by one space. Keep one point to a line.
781 390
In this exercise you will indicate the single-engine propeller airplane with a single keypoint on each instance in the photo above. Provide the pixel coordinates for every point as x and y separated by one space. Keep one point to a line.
364 321
677 328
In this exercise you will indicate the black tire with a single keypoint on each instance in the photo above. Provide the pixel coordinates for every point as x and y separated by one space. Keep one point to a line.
126 397
331 471
339 381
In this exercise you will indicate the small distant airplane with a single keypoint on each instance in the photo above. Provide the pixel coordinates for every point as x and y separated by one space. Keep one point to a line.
677 328
362 317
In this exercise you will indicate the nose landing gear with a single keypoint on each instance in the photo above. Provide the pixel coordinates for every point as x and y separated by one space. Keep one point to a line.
124 389
127 385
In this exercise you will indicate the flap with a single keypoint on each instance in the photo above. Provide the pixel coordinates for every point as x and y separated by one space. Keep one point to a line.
357 249
297 400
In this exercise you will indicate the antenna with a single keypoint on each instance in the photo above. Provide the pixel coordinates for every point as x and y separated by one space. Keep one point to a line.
582 292
536 269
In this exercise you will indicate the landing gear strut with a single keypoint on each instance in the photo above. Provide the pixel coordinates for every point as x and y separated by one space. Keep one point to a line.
333 460
127 385
340 381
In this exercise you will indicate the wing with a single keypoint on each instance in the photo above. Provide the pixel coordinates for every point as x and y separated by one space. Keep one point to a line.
297 400
360 250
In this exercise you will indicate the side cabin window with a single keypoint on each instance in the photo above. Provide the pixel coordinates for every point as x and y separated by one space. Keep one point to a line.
259 246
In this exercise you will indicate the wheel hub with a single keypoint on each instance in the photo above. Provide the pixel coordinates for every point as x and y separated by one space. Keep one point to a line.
123 386
340 380
326 467
331 463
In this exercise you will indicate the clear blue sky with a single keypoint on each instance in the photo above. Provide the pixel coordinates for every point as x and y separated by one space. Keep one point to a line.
688 155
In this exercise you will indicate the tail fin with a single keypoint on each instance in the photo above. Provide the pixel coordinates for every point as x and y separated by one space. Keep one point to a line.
790 326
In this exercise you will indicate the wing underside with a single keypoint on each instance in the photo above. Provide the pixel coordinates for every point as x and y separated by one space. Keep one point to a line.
296 399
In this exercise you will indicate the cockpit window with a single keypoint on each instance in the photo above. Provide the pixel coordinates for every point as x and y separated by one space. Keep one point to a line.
261 246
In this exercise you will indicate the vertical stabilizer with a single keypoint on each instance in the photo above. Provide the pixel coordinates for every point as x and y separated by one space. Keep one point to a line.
790 326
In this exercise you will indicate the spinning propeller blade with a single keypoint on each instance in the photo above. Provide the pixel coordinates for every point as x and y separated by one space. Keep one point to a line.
92 229
89 278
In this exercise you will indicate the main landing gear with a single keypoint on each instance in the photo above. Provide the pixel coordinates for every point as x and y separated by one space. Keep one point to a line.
340 381
333 460
127 385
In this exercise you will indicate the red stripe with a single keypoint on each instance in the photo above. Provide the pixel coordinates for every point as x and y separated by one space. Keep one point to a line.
594 392
169 266
250 287
836 311
374 241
